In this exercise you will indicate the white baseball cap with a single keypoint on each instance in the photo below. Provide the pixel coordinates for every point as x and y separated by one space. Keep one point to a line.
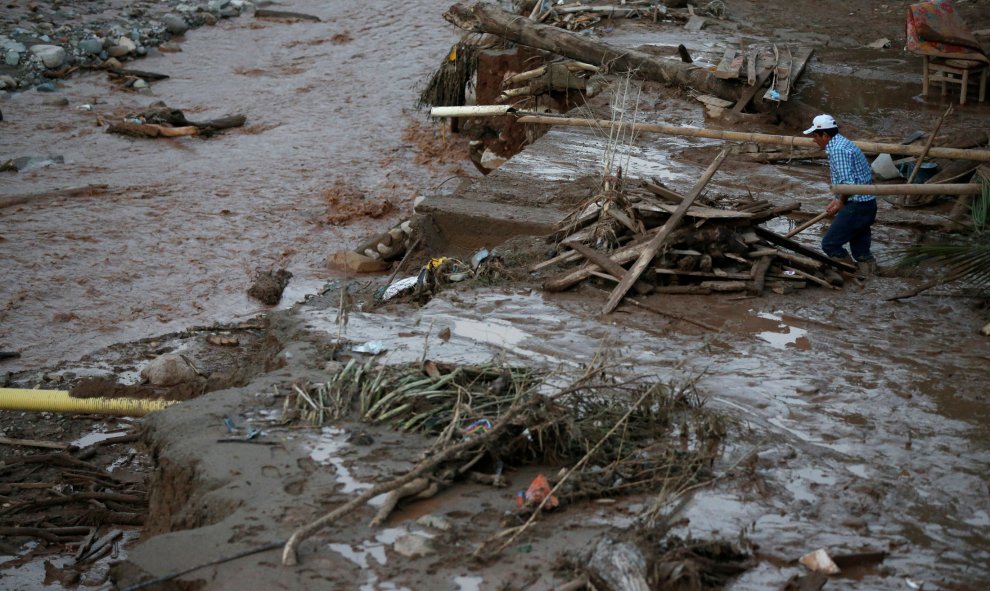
821 122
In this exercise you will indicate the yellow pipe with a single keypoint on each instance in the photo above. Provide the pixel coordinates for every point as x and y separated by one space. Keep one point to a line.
61 401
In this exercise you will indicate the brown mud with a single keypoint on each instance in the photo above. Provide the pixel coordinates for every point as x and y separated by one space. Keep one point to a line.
862 424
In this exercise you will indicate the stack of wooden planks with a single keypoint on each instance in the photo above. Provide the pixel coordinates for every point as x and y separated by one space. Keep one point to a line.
714 246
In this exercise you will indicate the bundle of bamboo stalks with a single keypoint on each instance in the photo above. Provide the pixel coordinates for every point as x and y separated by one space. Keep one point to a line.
719 247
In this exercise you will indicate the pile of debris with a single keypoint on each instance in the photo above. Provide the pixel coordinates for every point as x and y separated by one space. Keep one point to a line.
723 249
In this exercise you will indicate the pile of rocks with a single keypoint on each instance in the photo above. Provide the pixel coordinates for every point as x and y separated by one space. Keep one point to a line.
40 41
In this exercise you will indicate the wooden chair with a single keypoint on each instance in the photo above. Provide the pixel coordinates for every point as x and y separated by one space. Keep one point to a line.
955 71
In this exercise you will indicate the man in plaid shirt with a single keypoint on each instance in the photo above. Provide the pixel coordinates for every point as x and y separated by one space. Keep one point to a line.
854 214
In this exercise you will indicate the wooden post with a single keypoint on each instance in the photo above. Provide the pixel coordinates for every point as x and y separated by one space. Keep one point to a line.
807 224
657 241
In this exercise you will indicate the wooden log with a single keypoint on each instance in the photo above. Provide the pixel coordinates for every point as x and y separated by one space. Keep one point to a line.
759 138
801 249
760 274
618 565
915 189
664 192
139 73
600 259
658 240
486 18
34 443
267 13
725 66
623 255
725 286
134 129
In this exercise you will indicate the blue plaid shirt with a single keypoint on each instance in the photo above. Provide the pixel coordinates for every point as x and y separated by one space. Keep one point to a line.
848 166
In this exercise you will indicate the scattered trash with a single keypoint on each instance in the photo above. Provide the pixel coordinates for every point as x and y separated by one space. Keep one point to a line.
371 347
883 166
538 490
229 423
819 561
913 584
478 427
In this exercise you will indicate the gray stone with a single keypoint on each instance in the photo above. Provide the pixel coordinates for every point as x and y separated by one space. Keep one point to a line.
436 522
127 42
118 51
91 46
139 84
7 83
46 87
175 24
411 546
216 5
11 45
169 369
12 58
51 55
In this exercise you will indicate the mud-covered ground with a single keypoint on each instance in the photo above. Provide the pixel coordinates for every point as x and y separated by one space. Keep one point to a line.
860 425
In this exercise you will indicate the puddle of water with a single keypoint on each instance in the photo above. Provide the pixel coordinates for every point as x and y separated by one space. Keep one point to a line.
783 335
326 449
374 550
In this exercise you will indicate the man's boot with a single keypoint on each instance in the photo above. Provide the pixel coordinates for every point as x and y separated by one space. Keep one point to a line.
867 268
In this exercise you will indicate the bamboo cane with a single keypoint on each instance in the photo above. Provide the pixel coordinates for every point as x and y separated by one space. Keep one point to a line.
922 189
807 224
760 138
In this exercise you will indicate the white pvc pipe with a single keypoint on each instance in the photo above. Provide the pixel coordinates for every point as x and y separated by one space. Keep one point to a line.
475 111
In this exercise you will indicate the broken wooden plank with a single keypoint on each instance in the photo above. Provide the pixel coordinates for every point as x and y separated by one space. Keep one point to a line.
751 66
760 274
600 259
781 72
724 70
695 23
664 192
731 70
798 62
751 91
657 241
695 211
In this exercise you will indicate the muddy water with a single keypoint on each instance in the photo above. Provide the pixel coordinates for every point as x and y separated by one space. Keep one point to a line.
165 234
868 418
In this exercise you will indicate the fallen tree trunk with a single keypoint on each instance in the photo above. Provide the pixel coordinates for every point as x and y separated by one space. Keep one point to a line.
486 18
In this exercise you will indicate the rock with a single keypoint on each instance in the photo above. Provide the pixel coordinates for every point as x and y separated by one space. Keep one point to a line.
139 84
8 82
169 369
268 286
357 263
113 63
436 522
12 58
91 46
986 330
118 51
175 24
216 5
50 55
127 42
46 87
412 546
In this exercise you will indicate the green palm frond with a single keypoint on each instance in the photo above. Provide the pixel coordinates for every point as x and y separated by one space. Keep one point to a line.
967 258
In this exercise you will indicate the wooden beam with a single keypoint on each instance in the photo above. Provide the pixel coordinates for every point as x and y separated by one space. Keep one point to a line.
915 189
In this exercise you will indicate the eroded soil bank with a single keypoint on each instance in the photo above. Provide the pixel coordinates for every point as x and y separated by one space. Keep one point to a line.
860 425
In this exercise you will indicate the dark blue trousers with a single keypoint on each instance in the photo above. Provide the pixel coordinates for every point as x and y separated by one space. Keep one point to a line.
851 225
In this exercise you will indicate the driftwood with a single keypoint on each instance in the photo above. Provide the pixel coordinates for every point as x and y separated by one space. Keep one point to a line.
658 240
290 550
266 13
486 18
138 73
618 566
